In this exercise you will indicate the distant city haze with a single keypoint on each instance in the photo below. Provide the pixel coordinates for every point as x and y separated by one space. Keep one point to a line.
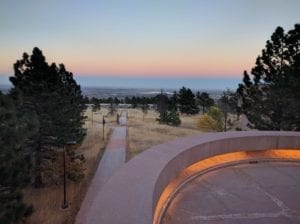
199 83
202 44
163 82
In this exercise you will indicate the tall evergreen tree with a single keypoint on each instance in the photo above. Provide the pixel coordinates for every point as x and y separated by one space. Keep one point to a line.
204 100
15 127
95 107
173 102
168 109
144 106
134 102
53 95
162 102
187 101
270 98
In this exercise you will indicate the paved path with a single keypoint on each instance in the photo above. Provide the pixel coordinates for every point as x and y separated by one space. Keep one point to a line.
113 158
260 193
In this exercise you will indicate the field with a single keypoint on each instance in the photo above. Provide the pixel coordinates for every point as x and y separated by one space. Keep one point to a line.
142 134
147 132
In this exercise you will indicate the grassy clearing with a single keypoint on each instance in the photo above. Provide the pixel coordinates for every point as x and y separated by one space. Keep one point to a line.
48 201
145 133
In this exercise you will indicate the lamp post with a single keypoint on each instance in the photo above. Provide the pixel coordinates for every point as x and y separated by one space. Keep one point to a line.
65 202
92 116
118 118
103 124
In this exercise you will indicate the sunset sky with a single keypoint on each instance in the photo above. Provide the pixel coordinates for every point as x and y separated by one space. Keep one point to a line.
176 39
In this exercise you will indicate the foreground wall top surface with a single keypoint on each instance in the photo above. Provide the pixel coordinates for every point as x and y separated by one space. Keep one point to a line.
131 194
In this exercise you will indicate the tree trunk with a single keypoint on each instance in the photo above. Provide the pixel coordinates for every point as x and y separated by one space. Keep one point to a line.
225 124
38 178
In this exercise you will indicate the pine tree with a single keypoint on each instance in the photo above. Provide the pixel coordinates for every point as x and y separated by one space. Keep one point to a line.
168 109
144 106
204 101
173 102
96 104
187 101
161 102
53 95
95 107
173 118
15 127
134 102
270 98
169 117
112 106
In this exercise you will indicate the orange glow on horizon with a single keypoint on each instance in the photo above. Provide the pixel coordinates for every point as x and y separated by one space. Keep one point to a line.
149 64
157 65
159 68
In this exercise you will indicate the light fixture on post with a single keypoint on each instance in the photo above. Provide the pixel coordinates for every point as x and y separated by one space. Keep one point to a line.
65 202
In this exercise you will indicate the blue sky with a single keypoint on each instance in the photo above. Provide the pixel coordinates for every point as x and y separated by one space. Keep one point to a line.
180 39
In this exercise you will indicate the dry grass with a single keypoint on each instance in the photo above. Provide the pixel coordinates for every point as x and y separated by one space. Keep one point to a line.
146 133
142 134
48 201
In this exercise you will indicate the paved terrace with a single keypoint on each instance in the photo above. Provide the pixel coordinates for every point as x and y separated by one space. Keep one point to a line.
262 193
131 195
112 159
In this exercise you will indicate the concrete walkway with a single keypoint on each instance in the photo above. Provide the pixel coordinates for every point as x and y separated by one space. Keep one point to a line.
113 158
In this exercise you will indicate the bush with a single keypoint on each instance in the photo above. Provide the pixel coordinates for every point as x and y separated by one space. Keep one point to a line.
170 118
212 121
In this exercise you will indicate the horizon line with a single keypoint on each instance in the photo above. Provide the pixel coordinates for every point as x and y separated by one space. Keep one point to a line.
142 75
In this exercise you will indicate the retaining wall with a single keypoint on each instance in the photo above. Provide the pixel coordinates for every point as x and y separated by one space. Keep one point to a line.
130 196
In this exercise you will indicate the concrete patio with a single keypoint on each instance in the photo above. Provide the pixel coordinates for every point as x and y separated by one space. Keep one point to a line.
134 192
262 193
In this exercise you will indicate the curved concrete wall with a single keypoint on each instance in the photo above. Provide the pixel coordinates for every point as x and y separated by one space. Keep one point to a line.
130 196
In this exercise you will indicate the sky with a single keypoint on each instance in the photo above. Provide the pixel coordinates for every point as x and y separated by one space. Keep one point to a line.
144 43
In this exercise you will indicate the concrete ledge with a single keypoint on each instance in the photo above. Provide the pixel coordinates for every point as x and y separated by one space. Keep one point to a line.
131 195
